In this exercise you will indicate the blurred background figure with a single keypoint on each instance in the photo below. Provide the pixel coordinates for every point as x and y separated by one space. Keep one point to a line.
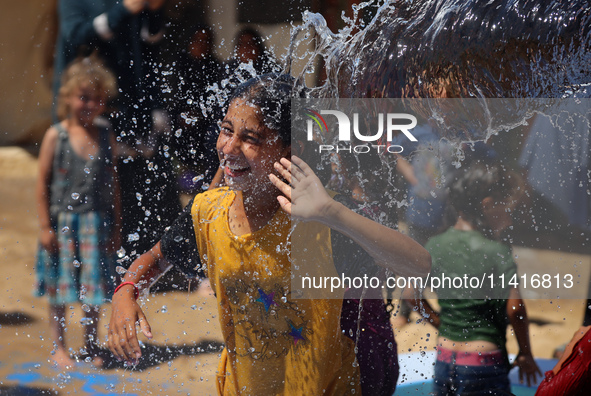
127 35
427 169
471 346
250 55
195 110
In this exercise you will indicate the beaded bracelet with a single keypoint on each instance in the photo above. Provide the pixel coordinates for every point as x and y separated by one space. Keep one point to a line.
136 292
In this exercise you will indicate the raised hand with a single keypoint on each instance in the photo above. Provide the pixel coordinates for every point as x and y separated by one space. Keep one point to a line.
304 195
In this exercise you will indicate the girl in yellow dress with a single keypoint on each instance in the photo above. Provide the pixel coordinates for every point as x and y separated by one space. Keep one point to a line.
275 343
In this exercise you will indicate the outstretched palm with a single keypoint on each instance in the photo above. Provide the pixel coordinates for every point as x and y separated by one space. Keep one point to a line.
304 195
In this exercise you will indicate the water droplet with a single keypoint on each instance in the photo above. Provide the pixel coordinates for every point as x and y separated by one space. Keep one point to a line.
76 263
193 307
164 309
87 171
198 178
178 132
65 229
148 181
120 270
85 308
133 237
121 253
75 195
70 207
138 196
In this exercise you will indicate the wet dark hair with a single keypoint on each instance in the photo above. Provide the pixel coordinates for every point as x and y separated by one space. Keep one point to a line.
272 93
476 182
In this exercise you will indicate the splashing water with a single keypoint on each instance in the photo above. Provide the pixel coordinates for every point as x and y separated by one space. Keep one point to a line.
457 49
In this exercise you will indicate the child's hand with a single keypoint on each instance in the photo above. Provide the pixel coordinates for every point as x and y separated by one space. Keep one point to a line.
528 366
123 340
48 240
305 197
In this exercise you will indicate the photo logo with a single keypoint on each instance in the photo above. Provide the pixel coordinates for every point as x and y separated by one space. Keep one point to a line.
390 123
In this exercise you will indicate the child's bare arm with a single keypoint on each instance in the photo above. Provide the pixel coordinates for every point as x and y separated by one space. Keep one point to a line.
47 235
517 315
389 248
126 312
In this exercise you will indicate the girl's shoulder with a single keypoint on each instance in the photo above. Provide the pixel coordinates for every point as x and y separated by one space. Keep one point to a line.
213 200
53 134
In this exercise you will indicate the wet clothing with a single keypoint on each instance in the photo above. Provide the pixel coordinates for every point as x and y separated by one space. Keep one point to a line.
275 343
81 212
456 253
574 376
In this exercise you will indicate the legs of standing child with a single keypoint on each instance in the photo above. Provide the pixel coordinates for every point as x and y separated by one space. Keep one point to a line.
57 323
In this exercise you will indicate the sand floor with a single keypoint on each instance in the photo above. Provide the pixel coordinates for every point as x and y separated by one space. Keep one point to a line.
184 350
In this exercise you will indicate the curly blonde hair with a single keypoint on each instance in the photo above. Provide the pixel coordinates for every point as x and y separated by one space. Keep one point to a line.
85 72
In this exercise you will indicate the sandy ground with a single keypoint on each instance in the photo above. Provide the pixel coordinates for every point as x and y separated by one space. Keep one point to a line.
183 354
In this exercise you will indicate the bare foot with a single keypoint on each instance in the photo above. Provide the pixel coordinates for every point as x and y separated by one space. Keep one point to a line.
62 360
98 362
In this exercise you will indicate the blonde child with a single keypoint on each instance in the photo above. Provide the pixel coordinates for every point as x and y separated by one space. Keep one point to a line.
78 204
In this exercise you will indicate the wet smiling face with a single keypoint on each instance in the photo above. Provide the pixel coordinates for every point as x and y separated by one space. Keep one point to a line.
247 148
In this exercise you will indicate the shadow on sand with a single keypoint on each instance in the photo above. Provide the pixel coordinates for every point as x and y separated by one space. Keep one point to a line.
19 390
153 355
15 318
